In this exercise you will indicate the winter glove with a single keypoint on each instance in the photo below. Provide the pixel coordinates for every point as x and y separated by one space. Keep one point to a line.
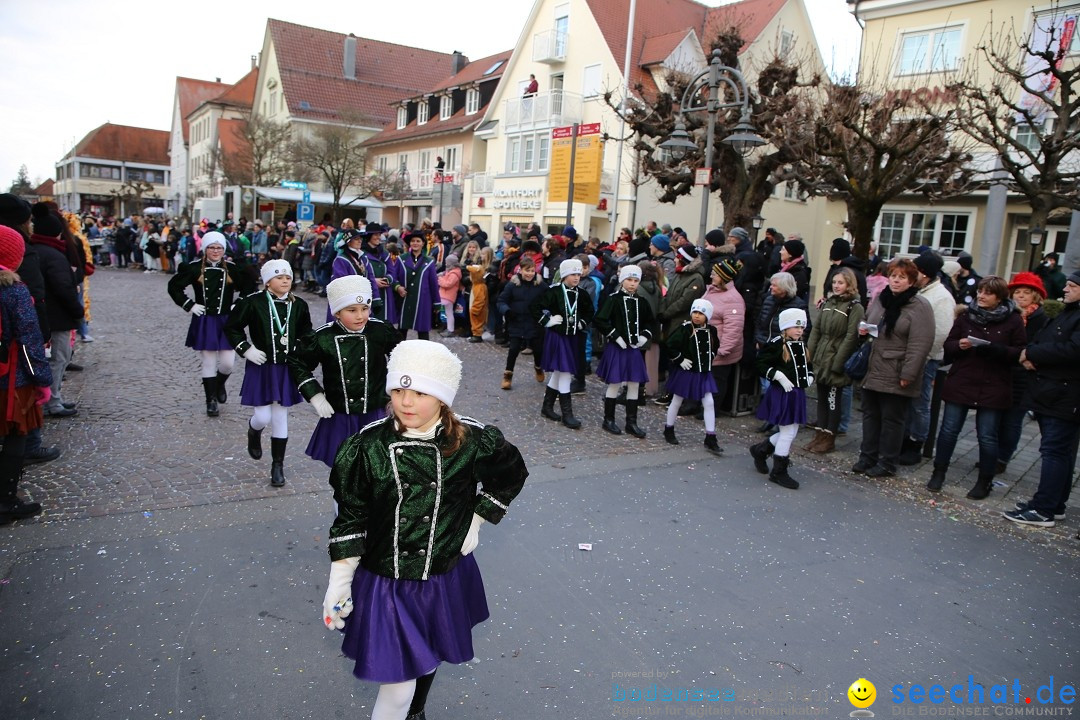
686 364
322 405
44 394
783 380
620 342
198 309
337 603
809 379
554 320
255 355
472 538
641 341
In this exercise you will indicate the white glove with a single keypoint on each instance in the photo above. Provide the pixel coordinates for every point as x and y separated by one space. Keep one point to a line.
255 355
322 405
198 309
337 603
554 320
472 538
641 340
686 364
809 379
784 382
620 342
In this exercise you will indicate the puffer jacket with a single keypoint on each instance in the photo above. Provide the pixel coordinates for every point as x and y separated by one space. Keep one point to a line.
768 323
901 354
834 338
514 302
728 317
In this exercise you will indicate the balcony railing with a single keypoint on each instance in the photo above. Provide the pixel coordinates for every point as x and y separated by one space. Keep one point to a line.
551 108
549 46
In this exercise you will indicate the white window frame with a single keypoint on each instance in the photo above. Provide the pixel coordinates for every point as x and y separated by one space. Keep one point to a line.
909 241
529 149
446 107
1063 12
562 17
513 155
592 86
423 108
452 157
472 101
543 152
928 63
787 42
402 117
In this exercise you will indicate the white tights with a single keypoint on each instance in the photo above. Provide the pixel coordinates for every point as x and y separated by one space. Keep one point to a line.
393 700
449 305
706 406
613 390
560 381
217 361
782 439
274 415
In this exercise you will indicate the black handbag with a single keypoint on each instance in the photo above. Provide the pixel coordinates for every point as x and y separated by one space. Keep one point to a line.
856 366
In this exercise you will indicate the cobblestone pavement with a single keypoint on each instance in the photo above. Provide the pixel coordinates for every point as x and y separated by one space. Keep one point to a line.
142 441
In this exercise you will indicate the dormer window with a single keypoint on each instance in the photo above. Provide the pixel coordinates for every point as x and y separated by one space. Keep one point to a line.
446 107
422 109
402 117
472 101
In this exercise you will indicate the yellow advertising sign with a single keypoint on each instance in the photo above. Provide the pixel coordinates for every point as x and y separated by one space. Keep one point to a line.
588 164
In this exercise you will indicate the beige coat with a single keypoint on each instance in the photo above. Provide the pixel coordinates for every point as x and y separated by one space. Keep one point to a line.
902 354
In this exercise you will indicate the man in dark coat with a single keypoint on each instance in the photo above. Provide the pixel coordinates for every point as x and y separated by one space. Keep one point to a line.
748 282
1054 395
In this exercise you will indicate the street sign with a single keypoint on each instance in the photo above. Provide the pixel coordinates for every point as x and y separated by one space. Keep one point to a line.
447 178
248 197
588 165
702 176
294 184
305 212
307 196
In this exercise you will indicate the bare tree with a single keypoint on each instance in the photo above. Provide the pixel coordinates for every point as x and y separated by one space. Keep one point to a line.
867 147
130 192
262 156
334 155
1027 112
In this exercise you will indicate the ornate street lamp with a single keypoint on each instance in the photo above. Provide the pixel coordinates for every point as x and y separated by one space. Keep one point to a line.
1035 237
757 222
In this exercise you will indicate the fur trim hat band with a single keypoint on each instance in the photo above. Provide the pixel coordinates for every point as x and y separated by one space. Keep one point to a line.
792 317
213 238
426 367
275 268
348 290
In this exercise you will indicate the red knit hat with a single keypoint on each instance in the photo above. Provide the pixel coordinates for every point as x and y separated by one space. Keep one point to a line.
12 248
1028 280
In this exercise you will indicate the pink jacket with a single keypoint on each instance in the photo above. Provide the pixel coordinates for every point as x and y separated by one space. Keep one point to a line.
729 314
450 284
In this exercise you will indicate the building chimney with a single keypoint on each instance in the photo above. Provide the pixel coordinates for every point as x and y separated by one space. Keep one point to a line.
217 79
349 63
457 62
254 62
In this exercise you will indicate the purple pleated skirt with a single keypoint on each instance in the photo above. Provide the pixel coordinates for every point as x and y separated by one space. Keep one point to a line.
268 383
207 332
783 408
402 629
560 353
332 431
619 366
689 384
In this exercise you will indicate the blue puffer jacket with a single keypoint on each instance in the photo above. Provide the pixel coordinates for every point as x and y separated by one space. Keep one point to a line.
514 301
18 320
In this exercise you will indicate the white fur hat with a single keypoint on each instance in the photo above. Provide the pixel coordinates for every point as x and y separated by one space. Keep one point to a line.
792 317
426 367
629 271
569 267
702 306
214 238
273 268
348 290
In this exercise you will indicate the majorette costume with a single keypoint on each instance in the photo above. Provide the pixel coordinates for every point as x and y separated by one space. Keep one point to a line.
691 349
353 261
353 369
624 319
421 292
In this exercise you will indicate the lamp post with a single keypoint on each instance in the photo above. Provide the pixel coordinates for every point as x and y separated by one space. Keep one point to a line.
403 176
1035 236
743 138
757 222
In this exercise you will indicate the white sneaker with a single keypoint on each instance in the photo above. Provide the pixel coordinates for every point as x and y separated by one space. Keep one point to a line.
488 336
87 338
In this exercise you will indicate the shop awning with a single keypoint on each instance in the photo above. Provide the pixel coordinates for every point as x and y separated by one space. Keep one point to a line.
318 198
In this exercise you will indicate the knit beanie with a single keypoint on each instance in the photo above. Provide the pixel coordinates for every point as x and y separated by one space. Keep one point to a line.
13 209
951 267
426 367
688 253
929 264
739 234
461 230
1074 277
796 248
792 317
661 242
46 222
702 306
274 268
840 249
715 237
570 232
629 271
213 238
727 269
452 261
965 260
348 290
569 267
12 248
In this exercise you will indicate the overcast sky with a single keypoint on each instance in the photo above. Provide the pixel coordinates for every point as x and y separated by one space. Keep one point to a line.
71 65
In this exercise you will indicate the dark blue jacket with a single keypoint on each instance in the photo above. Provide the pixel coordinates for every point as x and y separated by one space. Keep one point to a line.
514 302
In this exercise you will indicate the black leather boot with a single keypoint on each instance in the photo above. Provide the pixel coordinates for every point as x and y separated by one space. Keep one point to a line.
548 410
761 452
222 396
937 479
910 452
631 418
11 507
982 486
609 416
669 435
277 461
210 389
711 445
779 474
566 404
254 443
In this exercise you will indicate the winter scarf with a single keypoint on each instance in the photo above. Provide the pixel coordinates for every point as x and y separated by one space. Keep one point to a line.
984 316
893 303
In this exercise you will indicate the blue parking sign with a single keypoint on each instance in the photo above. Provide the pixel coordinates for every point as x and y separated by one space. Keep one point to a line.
305 212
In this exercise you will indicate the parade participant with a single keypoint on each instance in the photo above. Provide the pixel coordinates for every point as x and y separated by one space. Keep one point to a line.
25 376
625 320
566 312
784 362
275 320
383 281
395 273
353 351
691 348
412 491
215 281
351 260
517 297
420 290
480 271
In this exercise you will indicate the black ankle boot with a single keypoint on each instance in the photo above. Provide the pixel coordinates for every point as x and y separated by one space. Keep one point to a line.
609 416
566 404
982 486
548 409
910 452
254 443
669 435
761 452
11 507
210 390
277 461
222 396
711 445
631 418
779 474
937 479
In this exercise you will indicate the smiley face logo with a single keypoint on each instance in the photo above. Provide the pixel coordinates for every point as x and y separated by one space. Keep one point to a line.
862 693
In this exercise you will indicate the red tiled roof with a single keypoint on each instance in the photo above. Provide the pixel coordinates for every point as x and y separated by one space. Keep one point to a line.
45 189
230 137
657 49
474 71
194 93
126 144
751 16
310 64
242 94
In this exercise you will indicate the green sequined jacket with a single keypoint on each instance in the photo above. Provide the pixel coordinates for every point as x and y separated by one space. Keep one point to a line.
252 313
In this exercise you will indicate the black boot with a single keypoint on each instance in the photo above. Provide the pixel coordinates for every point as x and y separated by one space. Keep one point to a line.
761 452
779 474
937 479
11 507
982 486
210 389
222 396
277 461
548 410
254 443
631 418
609 416
711 445
669 435
910 452
566 404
